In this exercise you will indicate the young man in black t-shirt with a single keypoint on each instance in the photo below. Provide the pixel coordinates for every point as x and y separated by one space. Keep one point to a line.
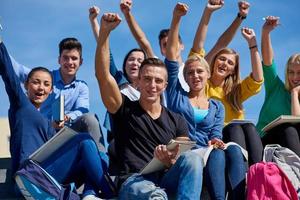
145 126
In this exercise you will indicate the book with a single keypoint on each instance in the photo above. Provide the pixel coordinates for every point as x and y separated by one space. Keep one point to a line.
280 120
240 121
57 141
205 151
156 165
58 109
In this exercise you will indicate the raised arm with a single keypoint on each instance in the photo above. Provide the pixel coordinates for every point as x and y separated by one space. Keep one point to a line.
173 40
257 72
200 35
11 81
229 33
135 29
109 90
93 13
266 44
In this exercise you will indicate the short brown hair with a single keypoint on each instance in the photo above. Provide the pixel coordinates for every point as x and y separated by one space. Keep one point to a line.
69 44
153 62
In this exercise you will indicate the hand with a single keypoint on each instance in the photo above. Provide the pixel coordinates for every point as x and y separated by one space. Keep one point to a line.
296 90
58 125
180 9
244 8
94 12
125 6
249 35
217 143
168 157
271 23
214 5
66 118
110 21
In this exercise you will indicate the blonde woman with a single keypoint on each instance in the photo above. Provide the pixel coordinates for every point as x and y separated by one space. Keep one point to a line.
282 98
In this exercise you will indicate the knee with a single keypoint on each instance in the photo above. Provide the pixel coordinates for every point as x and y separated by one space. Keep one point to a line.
290 132
233 131
89 118
191 159
250 128
234 152
136 187
217 158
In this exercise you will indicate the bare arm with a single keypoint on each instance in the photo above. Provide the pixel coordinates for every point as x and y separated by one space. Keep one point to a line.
201 32
109 90
135 29
173 41
257 72
229 33
295 101
93 13
266 44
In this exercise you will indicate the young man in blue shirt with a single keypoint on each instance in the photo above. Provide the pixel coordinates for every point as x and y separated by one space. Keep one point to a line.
76 92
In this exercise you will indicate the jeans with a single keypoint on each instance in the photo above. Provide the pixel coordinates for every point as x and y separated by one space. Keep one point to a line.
226 170
89 123
247 137
182 181
80 161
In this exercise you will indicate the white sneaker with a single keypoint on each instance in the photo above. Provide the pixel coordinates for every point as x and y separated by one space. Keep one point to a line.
91 197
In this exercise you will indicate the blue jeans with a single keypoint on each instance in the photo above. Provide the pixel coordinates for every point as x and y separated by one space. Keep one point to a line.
226 170
80 161
183 181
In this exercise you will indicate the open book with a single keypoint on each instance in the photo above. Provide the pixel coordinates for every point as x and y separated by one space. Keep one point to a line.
156 165
57 141
58 109
280 120
205 151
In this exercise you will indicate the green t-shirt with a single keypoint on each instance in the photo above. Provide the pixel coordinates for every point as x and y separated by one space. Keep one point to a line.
277 98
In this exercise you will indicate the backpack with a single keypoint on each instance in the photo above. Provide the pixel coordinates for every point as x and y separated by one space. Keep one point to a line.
36 184
288 162
266 181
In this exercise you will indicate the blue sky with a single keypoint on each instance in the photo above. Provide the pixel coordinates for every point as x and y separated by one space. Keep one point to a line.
33 29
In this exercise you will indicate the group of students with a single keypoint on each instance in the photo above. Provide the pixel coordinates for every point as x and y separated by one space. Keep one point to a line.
151 102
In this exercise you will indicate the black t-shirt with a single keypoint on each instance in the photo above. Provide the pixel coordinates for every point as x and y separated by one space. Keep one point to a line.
137 134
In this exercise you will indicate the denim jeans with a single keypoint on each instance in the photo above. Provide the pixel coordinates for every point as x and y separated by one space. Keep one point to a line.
226 170
80 161
182 181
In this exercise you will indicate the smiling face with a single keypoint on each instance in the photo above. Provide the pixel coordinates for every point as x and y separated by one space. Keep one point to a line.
196 75
38 86
152 83
293 74
224 65
133 64
70 62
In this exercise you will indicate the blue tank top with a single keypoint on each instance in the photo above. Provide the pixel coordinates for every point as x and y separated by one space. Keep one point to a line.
199 114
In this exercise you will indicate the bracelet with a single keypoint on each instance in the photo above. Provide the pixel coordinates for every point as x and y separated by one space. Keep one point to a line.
254 46
241 17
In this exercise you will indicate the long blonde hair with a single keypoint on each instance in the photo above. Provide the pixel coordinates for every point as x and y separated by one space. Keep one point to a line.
232 86
294 59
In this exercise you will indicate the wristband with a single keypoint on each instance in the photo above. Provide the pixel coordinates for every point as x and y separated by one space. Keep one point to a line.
254 46
241 17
